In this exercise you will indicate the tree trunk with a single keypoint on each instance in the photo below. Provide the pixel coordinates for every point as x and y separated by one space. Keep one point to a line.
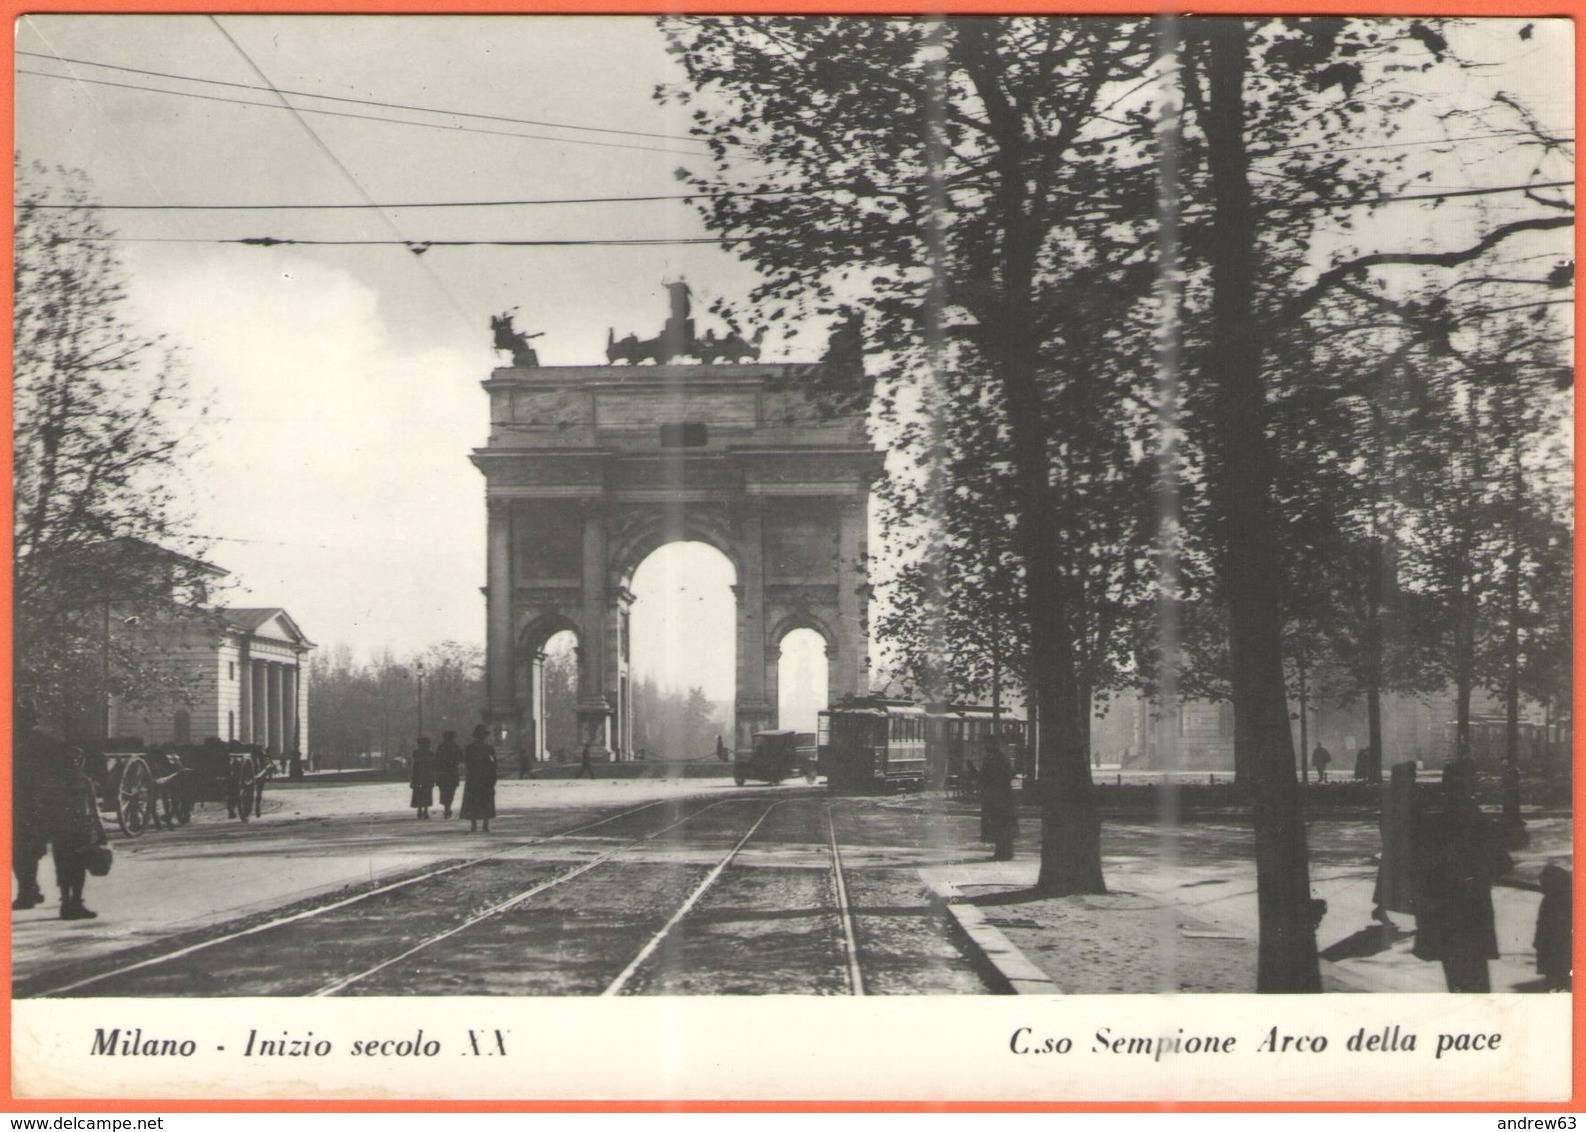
1374 588
1251 559
1009 341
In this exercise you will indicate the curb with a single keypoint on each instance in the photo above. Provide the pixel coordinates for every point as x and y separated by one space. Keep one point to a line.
1021 975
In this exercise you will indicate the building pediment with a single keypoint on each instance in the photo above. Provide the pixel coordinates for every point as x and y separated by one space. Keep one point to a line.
267 624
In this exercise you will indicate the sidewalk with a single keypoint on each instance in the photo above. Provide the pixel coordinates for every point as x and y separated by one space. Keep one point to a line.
1193 928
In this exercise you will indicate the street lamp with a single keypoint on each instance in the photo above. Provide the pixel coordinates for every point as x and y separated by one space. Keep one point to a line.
419 668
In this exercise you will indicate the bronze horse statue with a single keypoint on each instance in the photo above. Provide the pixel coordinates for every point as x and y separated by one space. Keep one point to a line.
514 341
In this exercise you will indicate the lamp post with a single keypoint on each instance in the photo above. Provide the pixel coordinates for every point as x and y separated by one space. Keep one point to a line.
419 669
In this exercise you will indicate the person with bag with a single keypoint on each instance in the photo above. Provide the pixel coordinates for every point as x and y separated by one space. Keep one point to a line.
77 835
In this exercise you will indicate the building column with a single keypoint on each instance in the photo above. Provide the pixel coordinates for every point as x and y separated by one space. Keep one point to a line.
595 685
752 710
853 601
500 649
244 730
259 729
273 709
290 739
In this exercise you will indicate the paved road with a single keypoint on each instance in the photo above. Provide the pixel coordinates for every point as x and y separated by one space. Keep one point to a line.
701 891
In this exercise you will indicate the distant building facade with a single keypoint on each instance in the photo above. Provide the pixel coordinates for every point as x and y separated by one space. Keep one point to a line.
1132 731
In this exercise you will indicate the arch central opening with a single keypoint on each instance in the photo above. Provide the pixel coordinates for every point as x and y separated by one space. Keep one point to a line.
683 667
801 680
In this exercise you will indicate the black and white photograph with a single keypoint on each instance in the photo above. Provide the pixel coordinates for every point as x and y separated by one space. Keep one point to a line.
529 528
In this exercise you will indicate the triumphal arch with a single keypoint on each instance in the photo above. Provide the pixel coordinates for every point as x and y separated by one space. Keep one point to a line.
589 469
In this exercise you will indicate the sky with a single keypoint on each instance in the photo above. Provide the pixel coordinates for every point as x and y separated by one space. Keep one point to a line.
343 382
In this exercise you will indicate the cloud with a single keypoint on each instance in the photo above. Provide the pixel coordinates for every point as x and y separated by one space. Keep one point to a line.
336 461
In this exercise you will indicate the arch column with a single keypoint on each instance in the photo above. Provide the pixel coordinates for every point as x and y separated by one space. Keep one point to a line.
851 665
753 710
594 708
501 706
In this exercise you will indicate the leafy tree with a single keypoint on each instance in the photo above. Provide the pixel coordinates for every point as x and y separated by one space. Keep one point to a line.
97 451
1263 85
369 712
983 184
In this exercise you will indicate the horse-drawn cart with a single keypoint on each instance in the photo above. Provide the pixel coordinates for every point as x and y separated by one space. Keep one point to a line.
215 771
158 787
127 788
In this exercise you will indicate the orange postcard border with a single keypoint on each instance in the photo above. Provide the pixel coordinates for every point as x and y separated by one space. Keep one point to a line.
1566 9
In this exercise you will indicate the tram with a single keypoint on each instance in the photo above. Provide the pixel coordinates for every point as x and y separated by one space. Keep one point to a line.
956 733
872 745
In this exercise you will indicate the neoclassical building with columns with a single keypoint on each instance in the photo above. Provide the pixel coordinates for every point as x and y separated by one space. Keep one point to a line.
244 677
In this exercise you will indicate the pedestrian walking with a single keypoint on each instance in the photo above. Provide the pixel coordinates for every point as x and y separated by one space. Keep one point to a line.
721 750
448 760
1395 888
479 788
1555 928
1459 853
999 817
586 768
75 830
1320 757
525 762
35 758
422 779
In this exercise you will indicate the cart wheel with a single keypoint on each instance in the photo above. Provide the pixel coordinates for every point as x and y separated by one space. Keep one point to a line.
739 777
245 800
134 797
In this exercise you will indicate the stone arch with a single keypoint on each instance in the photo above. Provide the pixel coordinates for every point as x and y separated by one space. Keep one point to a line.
801 620
805 620
652 532
590 469
529 679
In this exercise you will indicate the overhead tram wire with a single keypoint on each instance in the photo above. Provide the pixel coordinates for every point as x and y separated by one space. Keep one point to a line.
455 129
351 205
69 60
357 185
354 101
643 241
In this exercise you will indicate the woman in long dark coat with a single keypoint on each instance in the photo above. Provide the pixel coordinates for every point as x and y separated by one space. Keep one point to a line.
999 817
1459 853
423 780
479 788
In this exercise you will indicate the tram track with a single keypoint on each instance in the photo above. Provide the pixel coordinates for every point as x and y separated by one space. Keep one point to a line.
754 896
273 923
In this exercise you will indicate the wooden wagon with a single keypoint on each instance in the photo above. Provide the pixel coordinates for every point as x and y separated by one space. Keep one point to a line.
213 771
127 787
